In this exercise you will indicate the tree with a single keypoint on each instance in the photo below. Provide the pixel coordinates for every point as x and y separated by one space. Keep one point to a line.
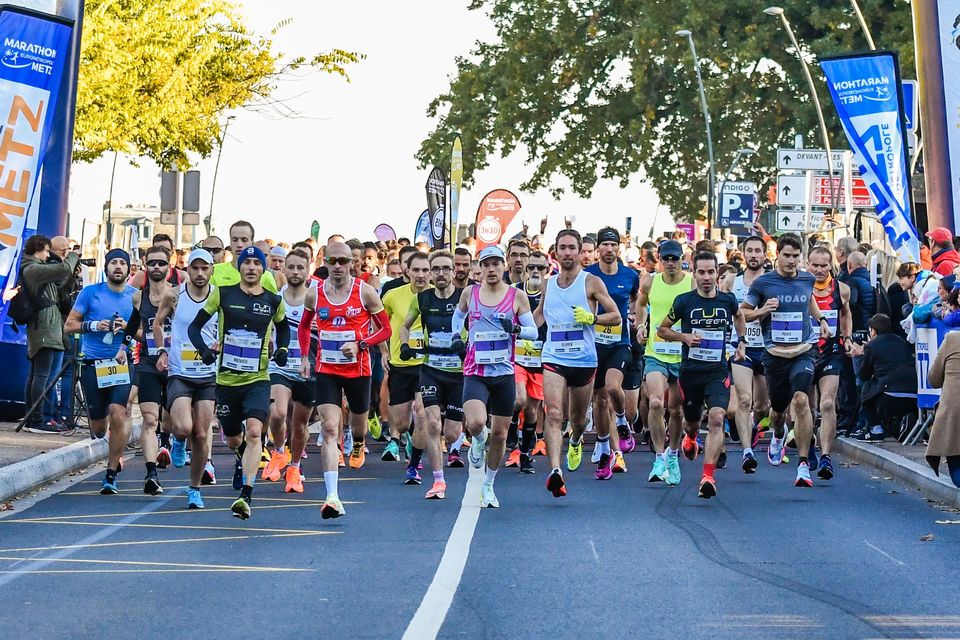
603 88
157 75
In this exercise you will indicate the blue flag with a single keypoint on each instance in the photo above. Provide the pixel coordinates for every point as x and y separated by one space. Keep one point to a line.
423 232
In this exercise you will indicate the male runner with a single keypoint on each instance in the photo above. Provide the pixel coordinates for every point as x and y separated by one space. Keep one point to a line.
518 252
100 313
441 376
661 361
214 246
496 315
191 384
588 252
228 273
569 309
833 300
343 308
461 267
706 317
783 302
613 350
247 312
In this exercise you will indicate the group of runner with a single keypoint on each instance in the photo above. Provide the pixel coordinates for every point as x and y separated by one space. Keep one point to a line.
531 349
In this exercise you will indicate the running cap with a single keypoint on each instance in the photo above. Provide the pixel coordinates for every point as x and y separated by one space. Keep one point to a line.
631 255
492 251
608 234
279 252
200 254
671 248
252 252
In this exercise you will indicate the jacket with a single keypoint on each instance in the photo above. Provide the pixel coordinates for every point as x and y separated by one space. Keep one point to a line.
863 298
945 261
43 279
890 360
945 374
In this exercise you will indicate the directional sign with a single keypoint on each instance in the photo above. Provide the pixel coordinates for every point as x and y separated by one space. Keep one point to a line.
808 159
791 190
736 204
791 220
822 196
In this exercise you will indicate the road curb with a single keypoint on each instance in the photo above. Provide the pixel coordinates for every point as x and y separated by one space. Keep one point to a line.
921 477
24 476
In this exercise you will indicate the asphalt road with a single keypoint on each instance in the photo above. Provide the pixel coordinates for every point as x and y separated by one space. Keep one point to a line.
613 559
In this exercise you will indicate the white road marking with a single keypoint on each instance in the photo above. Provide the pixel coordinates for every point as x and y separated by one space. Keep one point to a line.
594 550
884 553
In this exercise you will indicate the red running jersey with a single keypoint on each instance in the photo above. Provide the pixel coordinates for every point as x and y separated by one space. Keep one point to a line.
338 324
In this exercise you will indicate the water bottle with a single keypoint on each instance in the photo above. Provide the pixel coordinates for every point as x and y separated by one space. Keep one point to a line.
108 339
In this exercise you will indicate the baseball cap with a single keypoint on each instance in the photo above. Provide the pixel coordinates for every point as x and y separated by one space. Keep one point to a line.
631 255
670 248
252 252
492 251
200 254
940 235
278 251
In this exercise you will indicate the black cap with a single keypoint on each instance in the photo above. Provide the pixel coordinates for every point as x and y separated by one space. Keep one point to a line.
670 248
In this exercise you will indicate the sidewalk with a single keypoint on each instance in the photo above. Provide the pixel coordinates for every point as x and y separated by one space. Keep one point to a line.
16 447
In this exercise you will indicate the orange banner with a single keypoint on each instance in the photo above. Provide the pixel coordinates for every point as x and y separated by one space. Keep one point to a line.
496 211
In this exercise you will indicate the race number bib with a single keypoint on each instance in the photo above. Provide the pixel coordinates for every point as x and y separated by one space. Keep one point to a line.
111 373
754 335
442 360
491 347
663 348
833 319
567 339
416 341
241 353
609 335
711 346
786 327
193 365
529 353
330 344
152 349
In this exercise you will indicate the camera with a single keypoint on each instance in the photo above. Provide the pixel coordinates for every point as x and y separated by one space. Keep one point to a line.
88 262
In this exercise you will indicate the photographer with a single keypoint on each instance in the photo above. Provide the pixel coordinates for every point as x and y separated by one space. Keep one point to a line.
68 292
41 281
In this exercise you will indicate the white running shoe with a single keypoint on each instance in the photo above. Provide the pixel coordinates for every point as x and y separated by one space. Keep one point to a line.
487 497
595 456
477 451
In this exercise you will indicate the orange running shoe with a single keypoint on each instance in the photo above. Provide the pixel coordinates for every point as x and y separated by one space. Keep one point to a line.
438 491
274 468
294 480
540 449
690 447
357 455
513 460
619 464
708 487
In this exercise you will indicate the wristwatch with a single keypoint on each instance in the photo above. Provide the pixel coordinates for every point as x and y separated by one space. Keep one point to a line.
362 345
742 340
823 319
161 351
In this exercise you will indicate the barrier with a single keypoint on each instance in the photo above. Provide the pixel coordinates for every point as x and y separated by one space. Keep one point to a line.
929 338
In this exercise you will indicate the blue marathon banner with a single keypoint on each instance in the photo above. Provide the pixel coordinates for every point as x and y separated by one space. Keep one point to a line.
866 93
34 55
423 232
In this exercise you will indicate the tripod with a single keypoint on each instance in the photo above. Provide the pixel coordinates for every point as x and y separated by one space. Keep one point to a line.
78 413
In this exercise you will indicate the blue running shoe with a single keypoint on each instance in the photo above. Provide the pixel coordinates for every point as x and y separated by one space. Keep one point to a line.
178 453
238 474
673 469
194 499
413 477
391 453
109 487
825 468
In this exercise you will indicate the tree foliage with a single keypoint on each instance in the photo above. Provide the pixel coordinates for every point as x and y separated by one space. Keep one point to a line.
157 75
604 88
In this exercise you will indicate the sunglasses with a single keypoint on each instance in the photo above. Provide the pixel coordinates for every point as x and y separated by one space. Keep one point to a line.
669 258
213 250
340 261
536 267
157 263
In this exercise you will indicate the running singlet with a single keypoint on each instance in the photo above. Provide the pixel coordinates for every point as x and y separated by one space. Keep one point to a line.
529 353
622 287
830 306
712 320
397 303
294 357
436 316
148 346
754 333
226 275
489 347
246 322
183 360
790 323
100 302
568 343
339 323
661 299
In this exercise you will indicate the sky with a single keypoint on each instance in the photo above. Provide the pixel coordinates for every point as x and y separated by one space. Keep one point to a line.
349 161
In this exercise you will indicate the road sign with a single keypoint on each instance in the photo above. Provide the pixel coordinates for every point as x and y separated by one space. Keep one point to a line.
736 204
792 190
808 159
793 220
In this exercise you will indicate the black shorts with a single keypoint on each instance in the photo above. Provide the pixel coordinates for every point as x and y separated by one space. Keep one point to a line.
575 376
197 389
633 372
703 388
403 383
236 404
331 389
497 392
615 356
442 389
787 376
753 360
827 365
151 384
99 400
301 391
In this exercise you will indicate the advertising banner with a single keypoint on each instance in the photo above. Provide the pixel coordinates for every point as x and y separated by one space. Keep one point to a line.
929 339
437 205
315 230
456 183
949 13
384 232
866 93
422 232
496 211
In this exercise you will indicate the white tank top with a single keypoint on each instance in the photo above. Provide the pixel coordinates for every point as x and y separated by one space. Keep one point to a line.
183 359
754 335
568 343
294 315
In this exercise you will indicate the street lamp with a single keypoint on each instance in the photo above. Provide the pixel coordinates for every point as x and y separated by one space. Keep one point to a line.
746 151
863 24
778 12
712 176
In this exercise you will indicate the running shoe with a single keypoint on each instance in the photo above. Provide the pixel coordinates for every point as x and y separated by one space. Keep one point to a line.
619 464
238 473
790 442
347 440
628 442
825 468
604 472
708 487
391 452
476 453
109 487
659 471
438 491
513 460
194 499
408 445
188 459
574 456
264 457
357 455
803 476
673 469
178 453
294 480
749 463
555 485
454 461
812 458
690 447
526 463
332 508
539 449
487 497
163 458
209 473
595 456
722 460
151 485
274 468
645 440
241 508
412 476
374 426
775 451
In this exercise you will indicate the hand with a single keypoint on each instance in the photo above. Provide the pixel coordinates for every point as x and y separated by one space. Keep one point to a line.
457 347
582 316
122 356
103 325
163 362
350 349
508 326
824 330
759 229
770 306
741 352
690 339
209 356
406 353
280 357
304 368
853 349
385 361
119 324
642 334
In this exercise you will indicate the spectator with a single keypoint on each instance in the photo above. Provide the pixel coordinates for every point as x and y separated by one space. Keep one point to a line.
59 248
944 438
845 247
898 298
945 257
863 297
889 379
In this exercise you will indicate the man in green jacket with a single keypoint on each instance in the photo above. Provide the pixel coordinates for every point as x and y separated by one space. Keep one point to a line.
45 341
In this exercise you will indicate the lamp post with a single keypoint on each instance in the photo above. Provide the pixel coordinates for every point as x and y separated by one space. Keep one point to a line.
216 170
712 176
746 151
863 24
834 190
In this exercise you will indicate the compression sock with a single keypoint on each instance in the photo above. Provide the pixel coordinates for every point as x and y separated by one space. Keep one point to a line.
438 476
708 469
529 438
803 460
247 492
330 479
111 475
164 439
151 468
415 457
604 442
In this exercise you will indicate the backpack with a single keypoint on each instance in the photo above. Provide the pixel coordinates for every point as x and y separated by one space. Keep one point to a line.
23 307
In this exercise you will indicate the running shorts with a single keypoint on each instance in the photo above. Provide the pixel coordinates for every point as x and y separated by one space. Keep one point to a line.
788 376
403 383
197 389
301 391
331 389
151 384
703 388
575 376
532 381
99 400
236 404
442 389
497 392
615 356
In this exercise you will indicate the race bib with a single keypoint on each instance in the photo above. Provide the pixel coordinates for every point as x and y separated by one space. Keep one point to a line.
491 347
442 360
416 341
193 365
152 349
711 346
331 343
567 338
754 335
608 335
529 353
241 353
111 373
833 319
786 327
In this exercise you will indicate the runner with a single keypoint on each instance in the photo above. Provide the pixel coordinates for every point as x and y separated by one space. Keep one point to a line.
102 311
441 376
569 309
461 267
661 362
191 384
228 273
613 352
706 317
833 300
518 252
496 315
783 302
343 308
247 312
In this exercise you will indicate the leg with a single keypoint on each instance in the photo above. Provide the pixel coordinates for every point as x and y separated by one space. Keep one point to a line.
200 440
253 450
743 381
299 430
675 400
656 384
828 412
330 416
554 400
280 401
119 434
431 437
803 423
148 431
714 435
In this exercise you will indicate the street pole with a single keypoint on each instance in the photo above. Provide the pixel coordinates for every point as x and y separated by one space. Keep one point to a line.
216 168
712 176
863 24
113 173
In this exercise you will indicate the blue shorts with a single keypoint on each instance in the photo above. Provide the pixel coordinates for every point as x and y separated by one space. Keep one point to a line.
753 359
669 370
99 400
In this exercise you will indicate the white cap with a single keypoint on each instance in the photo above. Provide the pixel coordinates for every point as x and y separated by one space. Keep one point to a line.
200 254
493 251
631 255
279 252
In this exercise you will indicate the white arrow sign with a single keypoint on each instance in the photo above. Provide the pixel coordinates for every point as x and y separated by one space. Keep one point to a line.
808 159
791 190
790 220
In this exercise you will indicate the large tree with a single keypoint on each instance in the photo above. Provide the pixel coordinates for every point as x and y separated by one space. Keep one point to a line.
603 88
156 76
